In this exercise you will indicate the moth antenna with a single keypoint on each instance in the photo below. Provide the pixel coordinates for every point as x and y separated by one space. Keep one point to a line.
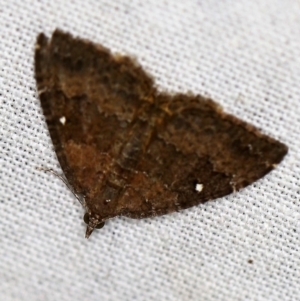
63 180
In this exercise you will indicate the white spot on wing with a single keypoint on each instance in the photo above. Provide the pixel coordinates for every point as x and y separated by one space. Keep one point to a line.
199 187
41 91
62 120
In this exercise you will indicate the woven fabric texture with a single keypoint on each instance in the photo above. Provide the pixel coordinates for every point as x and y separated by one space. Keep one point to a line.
246 56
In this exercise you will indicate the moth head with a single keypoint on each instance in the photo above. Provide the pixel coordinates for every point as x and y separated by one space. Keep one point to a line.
92 223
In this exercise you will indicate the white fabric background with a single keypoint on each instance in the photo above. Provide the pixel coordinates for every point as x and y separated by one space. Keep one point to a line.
246 56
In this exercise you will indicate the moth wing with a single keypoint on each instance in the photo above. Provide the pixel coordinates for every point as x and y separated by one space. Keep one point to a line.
89 98
199 153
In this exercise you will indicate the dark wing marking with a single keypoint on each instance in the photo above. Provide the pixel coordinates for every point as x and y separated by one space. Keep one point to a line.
197 125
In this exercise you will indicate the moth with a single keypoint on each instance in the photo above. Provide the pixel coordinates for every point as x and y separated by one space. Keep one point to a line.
129 149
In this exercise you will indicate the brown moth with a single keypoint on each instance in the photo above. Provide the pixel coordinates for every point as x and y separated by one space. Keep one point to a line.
131 150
